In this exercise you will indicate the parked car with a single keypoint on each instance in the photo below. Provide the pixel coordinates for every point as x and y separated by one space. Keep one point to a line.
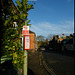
42 48
51 48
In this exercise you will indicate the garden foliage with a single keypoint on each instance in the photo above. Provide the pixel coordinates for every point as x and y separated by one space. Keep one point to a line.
11 44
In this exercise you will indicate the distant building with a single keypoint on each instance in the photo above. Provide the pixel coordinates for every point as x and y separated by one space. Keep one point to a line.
33 41
68 45
59 38
62 36
63 42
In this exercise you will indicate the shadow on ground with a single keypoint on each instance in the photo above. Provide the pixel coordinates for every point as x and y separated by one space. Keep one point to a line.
7 68
30 72
66 53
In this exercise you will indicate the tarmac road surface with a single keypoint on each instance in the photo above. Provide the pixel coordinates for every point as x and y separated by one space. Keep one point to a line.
60 64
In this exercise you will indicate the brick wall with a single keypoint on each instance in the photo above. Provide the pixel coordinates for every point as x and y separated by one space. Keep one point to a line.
32 42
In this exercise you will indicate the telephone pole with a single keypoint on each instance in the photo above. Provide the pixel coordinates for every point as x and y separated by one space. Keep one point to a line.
25 66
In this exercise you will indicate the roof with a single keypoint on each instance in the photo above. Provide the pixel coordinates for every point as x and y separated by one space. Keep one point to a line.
31 31
14 7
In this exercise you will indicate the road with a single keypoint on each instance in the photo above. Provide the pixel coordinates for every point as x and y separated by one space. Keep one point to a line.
58 63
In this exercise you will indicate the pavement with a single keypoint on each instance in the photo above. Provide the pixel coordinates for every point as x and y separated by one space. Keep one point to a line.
35 65
7 68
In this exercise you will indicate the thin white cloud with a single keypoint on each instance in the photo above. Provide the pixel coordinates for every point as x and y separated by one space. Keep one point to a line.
45 28
69 0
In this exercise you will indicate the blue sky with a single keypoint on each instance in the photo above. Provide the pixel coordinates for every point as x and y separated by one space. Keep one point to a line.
52 17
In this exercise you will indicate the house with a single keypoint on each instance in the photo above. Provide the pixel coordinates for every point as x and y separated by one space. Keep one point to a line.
33 41
15 9
68 45
62 36
59 40
56 42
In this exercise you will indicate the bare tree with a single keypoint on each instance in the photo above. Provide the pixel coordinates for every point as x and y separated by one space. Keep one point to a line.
50 36
40 38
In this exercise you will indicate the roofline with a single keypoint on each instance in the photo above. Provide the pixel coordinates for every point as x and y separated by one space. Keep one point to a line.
14 7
